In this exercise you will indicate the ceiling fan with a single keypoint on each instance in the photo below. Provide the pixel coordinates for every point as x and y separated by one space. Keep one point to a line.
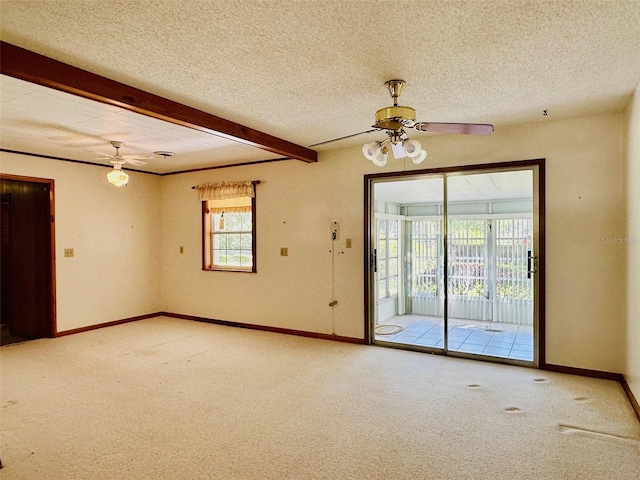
117 176
395 119
135 159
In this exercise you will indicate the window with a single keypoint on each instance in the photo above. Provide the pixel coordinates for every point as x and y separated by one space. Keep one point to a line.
387 255
514 240
229 233
477 247
468 256
424 259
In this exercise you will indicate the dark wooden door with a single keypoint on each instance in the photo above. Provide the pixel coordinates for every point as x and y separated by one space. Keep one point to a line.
27 286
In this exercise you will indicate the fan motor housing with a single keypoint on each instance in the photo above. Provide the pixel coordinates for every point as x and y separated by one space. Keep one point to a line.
393 118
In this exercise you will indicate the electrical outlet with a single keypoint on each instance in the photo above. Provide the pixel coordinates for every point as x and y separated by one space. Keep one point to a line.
68 252
284 252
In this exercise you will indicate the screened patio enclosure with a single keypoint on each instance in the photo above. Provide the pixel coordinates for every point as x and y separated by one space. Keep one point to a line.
456 271
487 269
488 278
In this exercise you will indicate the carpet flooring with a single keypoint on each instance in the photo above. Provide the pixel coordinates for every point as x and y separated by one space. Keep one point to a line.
164 398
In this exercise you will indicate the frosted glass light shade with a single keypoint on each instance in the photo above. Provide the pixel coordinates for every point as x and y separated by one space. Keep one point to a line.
419 158
413 148
369 150
117 177
380 159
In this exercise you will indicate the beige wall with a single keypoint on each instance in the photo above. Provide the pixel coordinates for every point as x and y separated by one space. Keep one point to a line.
114 233
296 202
632 368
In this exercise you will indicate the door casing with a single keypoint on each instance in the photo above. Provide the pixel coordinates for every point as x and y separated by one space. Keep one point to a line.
43 249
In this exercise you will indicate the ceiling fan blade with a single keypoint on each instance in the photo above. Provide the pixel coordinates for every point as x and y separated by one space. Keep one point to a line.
467 128
342 138
109 158
137 156
132 161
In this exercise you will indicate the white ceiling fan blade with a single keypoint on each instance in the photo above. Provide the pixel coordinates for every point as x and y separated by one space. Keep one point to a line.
465 128
137 156
137 163
133 159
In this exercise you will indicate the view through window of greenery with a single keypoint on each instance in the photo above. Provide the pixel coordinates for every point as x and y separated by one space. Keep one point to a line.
468 258
473 250
232 239
425 254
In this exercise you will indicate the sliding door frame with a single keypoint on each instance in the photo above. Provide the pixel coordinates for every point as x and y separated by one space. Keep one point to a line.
369 256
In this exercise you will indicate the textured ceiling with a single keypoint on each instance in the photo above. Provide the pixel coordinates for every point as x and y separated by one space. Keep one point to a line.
40 120
310 71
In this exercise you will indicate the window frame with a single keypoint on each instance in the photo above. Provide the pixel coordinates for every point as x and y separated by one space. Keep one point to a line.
207 251
386 259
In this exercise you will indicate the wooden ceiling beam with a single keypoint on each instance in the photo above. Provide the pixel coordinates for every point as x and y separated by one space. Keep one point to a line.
32 67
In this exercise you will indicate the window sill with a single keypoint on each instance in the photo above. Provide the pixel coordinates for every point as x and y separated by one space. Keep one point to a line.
229 269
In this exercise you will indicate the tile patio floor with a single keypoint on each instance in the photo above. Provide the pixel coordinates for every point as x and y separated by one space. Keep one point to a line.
513 342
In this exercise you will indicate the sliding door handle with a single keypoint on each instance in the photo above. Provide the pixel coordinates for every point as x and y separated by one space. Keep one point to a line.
531 264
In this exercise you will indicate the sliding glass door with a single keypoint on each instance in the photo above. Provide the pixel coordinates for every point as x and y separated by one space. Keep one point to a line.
454 263
490 289
417 237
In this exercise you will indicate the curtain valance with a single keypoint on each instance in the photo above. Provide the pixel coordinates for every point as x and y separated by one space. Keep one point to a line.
233 205
225 190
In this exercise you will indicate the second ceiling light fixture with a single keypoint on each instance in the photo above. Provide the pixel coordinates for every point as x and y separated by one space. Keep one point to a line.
118 177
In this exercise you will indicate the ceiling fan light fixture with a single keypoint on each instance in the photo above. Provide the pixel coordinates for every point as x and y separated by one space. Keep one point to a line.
117 176
419 158
380 158
370 150
412 148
